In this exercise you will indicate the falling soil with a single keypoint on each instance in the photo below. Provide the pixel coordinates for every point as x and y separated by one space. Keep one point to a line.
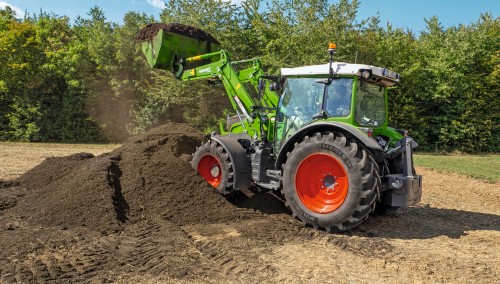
141 214
151 30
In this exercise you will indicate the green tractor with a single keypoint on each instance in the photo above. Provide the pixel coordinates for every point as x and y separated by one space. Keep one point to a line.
318 134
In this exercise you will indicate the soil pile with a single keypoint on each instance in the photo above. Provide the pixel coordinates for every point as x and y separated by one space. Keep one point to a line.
118 215
151 30
150 174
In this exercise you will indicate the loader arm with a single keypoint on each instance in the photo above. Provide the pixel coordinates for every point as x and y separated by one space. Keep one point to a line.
254 75
221 68
197 56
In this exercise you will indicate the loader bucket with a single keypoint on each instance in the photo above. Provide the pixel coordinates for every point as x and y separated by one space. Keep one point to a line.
165 44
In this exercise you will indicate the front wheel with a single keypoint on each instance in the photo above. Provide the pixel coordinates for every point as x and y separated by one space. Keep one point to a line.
331 182
213 164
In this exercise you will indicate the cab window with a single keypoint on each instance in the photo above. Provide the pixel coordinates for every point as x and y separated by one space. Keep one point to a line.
370 106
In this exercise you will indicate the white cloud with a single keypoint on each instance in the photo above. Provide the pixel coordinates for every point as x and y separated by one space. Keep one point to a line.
157 3
17 10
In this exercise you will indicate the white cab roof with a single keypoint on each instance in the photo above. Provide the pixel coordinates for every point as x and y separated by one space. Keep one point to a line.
381 75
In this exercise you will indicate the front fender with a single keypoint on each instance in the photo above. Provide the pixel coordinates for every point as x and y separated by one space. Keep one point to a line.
241 163
333 126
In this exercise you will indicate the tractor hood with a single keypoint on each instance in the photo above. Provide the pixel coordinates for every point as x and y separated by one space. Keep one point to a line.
383 76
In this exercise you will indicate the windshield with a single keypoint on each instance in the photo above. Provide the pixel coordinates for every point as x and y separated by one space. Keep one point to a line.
303 99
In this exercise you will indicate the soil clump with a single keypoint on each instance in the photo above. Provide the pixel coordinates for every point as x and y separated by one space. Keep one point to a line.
149 31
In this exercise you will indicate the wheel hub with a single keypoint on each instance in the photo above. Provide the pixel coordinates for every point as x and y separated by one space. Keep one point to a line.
329 183
215 171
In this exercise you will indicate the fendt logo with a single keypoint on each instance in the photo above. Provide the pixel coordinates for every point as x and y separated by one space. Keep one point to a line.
205 70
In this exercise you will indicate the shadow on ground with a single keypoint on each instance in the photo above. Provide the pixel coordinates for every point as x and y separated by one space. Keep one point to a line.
424 222
265 201
421 222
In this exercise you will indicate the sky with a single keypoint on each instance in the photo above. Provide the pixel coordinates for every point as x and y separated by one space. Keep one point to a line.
407 14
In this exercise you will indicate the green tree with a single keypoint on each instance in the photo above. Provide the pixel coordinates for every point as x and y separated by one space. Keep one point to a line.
36 81
20 79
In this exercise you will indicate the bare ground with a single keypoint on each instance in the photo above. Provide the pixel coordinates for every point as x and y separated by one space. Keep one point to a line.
17 158
139 214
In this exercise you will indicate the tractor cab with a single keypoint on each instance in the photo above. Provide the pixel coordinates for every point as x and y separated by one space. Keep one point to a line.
354 94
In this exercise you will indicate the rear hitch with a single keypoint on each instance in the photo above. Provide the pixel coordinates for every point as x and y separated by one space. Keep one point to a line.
402 190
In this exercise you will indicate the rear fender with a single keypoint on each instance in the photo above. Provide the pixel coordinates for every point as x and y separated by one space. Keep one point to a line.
238 156
332 126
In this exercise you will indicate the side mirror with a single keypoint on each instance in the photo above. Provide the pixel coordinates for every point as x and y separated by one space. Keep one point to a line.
324 81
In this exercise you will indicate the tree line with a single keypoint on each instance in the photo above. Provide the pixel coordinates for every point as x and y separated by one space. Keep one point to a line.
89 82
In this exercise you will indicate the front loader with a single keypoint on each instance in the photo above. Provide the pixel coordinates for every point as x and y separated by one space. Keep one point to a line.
324 141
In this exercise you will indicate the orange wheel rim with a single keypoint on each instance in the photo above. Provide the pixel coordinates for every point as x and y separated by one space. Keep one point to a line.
210 169
321 183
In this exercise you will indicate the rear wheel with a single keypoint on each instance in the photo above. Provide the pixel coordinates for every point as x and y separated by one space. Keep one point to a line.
213 164
331 182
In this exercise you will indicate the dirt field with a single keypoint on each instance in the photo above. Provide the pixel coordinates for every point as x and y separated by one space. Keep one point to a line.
141 214
17 158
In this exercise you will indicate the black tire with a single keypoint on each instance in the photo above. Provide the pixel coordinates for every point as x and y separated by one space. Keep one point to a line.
213 163
360 185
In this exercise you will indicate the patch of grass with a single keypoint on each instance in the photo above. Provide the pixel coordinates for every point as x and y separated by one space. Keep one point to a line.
485 167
